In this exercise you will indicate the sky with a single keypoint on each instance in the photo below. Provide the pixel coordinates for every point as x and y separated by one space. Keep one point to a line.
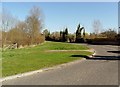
119 16
58 15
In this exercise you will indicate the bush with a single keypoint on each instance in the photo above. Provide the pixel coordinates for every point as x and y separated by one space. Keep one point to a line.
104 41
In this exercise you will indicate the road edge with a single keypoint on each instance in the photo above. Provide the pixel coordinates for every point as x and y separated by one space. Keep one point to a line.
94 53
45 69
40 70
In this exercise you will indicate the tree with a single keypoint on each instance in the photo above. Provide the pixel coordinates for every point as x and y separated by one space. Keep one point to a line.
66 31
55 36
97 26
78 34
8 22
92 35
22 32
22 37
111 34
34 24
47 34
72 37
84 33
61 35
66 34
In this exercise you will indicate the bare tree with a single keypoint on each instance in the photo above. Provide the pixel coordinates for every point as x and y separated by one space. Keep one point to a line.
18 34
34 23
97 26
22 32
8 22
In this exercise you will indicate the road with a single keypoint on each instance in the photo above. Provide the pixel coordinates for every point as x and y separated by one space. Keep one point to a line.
102 69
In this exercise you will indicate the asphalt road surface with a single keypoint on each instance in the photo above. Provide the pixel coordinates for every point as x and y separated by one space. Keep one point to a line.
102 69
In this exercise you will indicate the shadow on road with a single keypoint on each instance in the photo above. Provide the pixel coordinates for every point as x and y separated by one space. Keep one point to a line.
114 51
97 57
106 43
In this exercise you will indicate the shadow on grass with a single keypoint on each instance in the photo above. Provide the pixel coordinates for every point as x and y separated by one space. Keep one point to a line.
97 57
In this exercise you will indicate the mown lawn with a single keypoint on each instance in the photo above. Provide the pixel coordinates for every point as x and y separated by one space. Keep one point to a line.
17 61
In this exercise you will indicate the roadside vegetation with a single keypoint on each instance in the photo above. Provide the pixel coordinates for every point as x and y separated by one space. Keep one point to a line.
16 33
98 36
17 61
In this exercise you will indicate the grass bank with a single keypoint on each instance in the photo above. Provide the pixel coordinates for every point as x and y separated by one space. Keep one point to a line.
17 61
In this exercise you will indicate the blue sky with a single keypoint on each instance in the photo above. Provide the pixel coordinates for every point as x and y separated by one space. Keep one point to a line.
59 15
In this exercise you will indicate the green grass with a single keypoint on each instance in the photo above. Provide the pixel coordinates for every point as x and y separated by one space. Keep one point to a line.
28 59
63 46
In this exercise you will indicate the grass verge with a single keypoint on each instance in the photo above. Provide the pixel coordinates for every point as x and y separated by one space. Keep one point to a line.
28 59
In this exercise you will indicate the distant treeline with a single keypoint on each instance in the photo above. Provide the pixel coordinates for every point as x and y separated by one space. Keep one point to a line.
80 36
65 36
